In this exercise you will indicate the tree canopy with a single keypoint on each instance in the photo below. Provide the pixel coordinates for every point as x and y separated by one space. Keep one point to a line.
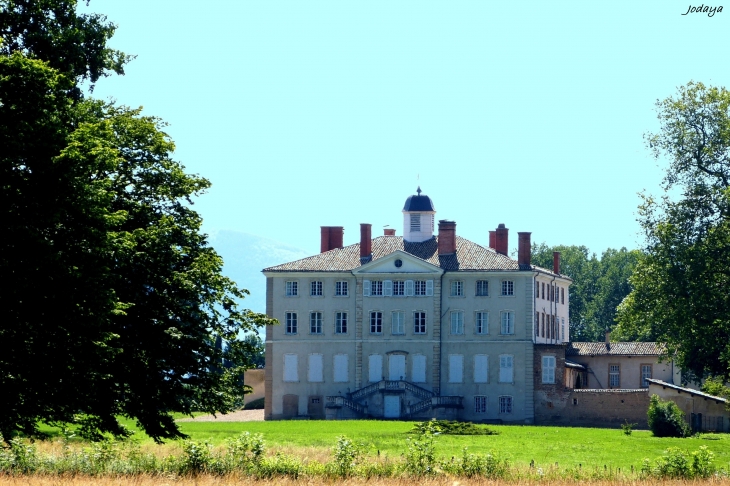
680 292
599 285
114 300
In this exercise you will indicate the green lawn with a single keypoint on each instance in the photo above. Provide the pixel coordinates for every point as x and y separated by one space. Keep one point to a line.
521 444
568 446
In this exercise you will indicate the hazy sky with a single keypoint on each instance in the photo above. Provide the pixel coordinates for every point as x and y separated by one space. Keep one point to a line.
309 113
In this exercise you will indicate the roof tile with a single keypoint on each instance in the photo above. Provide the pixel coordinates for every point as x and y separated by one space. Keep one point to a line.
469 256
614 349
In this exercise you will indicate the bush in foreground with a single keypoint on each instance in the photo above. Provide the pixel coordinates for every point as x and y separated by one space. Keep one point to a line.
666 419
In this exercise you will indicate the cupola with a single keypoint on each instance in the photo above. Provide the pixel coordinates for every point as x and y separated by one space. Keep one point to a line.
418 216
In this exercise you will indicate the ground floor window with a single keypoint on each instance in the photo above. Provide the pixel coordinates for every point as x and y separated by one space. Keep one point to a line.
480 404
505 404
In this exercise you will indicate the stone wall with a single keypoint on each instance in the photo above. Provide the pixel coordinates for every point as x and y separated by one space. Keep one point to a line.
591 408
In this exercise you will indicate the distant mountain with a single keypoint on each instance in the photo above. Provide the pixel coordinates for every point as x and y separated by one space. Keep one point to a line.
245 255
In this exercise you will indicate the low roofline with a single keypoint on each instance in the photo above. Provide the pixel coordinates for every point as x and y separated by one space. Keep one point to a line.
571 364
692 392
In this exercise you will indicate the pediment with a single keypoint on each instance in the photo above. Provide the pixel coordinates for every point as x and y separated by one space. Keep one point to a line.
408 265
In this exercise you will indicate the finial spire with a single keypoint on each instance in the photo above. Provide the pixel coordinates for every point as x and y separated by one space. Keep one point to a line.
419 190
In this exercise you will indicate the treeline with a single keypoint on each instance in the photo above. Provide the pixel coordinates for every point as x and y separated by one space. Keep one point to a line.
599 285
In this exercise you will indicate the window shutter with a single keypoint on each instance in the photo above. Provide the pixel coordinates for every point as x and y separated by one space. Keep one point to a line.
545 372
429 288
366 288
481 370
505 369
340 368
290 367
388 288
456 368
409 288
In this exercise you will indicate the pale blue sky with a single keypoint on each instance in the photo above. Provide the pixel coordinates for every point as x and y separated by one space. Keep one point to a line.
313 113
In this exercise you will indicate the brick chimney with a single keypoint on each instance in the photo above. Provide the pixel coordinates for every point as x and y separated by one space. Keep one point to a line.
493 239
447 237
331 238
556 262
524 248
366 242
501 239
389 231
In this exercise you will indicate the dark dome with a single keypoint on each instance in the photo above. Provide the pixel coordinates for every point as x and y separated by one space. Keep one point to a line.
419 203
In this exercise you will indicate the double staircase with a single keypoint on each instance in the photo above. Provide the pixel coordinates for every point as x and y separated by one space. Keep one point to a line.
427 399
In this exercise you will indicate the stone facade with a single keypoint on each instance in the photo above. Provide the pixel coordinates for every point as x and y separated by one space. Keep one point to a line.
436 326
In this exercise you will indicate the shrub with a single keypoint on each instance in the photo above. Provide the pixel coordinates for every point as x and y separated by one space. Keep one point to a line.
346 455
627 428
475 465
197 457
666 419
679 464
421 451
453 427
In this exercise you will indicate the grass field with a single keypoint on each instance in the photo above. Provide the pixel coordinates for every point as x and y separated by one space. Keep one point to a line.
521 444
568 446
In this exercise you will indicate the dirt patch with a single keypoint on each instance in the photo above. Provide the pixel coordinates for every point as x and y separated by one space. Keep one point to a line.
238 416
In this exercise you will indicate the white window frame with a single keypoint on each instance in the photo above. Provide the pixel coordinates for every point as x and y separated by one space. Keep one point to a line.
398 325
507 322
376 288
457 322
341 288
316 288
457 288
420 288
482 292
316 321
399 288
481 322
548 369
480 404
340 322
506 368
420 322
291 321
376 322
505 404
508 288
291 288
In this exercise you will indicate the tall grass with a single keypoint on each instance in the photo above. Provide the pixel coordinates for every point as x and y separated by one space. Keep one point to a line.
246 456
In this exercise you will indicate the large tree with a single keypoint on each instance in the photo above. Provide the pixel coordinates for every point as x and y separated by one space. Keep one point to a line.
680 294
113 299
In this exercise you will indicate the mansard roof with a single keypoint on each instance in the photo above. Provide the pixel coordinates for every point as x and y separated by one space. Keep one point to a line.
469 256
614 349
